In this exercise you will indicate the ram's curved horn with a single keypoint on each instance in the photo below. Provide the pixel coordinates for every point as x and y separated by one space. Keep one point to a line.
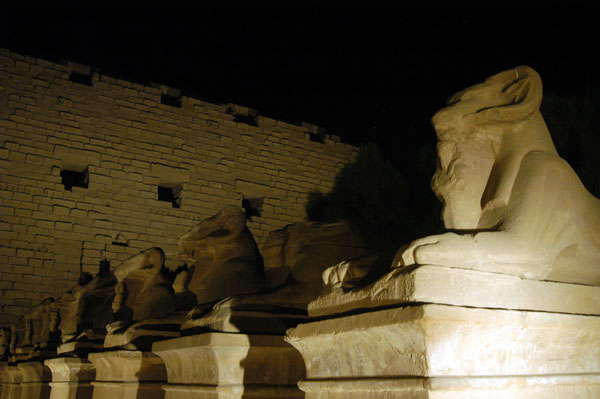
508 97
154 257
520 94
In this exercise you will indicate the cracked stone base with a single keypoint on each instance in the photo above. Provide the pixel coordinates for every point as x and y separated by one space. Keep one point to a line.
236 391
497 337
71 378
127 390
522 387
230 365
128 374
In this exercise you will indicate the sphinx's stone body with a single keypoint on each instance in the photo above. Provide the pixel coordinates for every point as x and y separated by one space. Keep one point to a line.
142 296
522 209
508 308
142 291
4 343
302 251
223 256
86 305
295 259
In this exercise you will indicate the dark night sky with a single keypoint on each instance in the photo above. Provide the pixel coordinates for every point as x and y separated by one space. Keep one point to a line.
366 74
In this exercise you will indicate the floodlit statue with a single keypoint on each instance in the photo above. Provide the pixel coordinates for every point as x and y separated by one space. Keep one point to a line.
297 256
142 291
87 305
40 321
223 257
514 205
4 342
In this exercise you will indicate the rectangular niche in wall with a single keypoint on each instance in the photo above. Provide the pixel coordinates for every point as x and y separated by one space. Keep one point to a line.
81 78
170 194
81 74
74 178
170 187
252 206
172 101
253 196
75 165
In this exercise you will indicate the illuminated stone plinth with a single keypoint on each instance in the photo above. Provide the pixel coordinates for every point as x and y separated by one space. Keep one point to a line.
25 380
510 387
12 377
429 350
229 365
128 375
462 287
71 378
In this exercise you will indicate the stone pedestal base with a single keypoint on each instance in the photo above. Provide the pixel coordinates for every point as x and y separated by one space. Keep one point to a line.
71 390
231 392
128 374
545 387
36 377
229 365
127 390
12 377
453 350
71 378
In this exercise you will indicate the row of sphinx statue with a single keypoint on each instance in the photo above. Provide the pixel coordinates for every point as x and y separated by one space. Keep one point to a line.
142 300
511 205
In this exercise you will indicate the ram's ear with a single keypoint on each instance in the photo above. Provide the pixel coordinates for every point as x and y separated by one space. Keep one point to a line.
513 96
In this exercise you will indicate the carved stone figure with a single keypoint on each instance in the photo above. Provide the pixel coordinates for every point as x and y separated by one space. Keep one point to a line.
223 257
4 342
14 338
37 324
513 204
295 258
300 253
142 291
143 304
87 305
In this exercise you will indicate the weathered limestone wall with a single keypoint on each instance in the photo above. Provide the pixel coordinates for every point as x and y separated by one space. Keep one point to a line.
131 143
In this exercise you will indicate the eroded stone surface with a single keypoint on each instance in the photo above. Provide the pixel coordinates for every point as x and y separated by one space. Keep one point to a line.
34 372
129 390
228 316
128 366
87 305
440 340
223 257
523 209
71 378
67 369
512 387
142 291
294 260
302 251
11 374
451 286
34 380
230 359
4 342
231 392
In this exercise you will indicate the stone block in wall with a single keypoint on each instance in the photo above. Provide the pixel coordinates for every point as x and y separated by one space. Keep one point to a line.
65 125
76 158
